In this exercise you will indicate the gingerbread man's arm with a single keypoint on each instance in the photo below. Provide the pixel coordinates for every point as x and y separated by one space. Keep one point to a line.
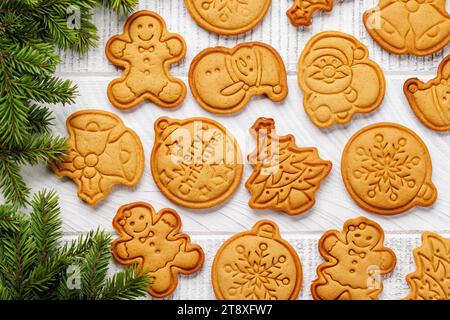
175 46
116 46
387 260
121 251
331 244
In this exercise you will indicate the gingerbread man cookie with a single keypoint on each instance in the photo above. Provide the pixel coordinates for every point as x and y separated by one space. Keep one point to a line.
355 260
430 101
302 11
257 265
431 280
223 80
146 50
338 79
228 17
285 177
387 169
103 153
153 241
419 27
195 162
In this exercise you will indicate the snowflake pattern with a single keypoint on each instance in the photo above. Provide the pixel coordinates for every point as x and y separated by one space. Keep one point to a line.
227 8
256 273
386 167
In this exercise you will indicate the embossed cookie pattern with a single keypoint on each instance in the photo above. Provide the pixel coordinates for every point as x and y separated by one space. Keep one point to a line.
355 260
387 169
431 280
285 177
257 265
338 79
146 50
228 17
103 153
416 26
302 11
430 101
154 243
223 80
195 162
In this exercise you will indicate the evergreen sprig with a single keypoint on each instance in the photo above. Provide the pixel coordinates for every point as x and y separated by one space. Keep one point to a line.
34 263
31 32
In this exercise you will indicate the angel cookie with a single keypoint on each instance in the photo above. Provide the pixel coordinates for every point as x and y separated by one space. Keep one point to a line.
355 260
257 264
285 177
145 50
223 80
153 241
302 11
195 162
430 101
228 17
103 153
431 280
418 27
338 79
387 169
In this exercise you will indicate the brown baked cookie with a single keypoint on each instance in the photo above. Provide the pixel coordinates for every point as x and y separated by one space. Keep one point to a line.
103 153
430 101
387 169
285 177
153 242
228 17
302 11
195 162
338 79
417 27
223 80
355 260
431 280
257 265
145 50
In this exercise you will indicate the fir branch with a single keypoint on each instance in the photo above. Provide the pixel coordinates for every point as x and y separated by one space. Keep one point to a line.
121 6
45 223
40 119
13 186
42 148
94 266
127 284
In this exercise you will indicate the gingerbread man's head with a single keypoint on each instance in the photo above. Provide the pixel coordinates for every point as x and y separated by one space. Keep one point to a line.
363 235
135 220
145 28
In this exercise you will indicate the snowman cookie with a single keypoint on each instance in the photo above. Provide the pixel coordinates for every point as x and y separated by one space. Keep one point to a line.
153 242
355 260
223 80
146 50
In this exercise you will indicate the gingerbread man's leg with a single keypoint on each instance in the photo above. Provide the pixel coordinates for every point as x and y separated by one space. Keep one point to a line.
187 261
162 281
171 92
121 92
331 289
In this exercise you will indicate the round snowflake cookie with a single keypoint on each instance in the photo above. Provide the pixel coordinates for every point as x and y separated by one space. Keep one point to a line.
386 169
257 265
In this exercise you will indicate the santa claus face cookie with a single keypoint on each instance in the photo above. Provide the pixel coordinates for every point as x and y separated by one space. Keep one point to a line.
145 50
223 80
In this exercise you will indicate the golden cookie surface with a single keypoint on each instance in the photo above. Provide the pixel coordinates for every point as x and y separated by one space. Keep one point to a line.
431 280
338 79
103 153
355 260
387 169
228 17
429 100
417 27
302 11
195 162
154 243
257 265
285 177
145 50
223 80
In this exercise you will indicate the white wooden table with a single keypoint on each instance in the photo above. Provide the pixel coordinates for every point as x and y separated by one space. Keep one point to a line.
209 228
